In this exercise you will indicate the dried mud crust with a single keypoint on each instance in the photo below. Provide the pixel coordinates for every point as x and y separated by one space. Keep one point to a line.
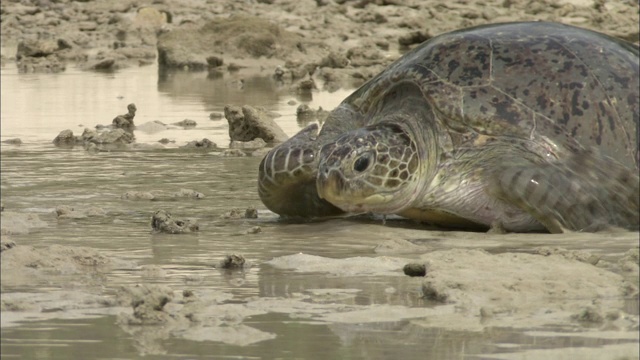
54 265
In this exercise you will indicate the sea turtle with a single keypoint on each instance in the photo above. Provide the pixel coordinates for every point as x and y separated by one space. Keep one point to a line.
526 126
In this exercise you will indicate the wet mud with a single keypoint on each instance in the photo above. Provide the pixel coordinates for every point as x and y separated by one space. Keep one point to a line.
411 289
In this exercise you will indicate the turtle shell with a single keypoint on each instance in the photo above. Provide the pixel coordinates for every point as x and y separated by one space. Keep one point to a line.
573 87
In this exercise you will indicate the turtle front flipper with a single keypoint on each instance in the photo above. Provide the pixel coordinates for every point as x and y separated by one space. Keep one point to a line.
287 178
588 192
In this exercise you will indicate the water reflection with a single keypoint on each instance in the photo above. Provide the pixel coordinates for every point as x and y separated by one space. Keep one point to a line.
36 107
237 88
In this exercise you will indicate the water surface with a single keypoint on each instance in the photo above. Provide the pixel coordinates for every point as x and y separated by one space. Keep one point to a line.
36 177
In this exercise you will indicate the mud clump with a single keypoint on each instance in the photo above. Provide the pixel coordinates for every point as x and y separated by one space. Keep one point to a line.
108 137
204 144
256 143
233 153
186 123
188 193
15 223
93 140
65 139
248 123
138 195
162 222
148 302
590 315
237 213
126 121
6 245
68 212
232 262
52 265
254 230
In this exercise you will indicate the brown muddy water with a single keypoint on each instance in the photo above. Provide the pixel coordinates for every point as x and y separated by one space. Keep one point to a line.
362 307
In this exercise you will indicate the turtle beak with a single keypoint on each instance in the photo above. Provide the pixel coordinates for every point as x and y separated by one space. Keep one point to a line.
328 184
321 182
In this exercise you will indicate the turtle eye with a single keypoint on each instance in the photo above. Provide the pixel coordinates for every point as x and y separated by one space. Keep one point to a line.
362 163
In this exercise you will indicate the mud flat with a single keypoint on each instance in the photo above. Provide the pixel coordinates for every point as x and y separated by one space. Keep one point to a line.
550 286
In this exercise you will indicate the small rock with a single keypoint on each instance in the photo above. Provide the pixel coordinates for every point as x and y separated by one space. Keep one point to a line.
65 139
202 144
104 65
68 212
15 141
163 222
415 37
125 121
334 60
251 213
248 123
233 153
189 193
278 73
216 116
305 110
414 269
214 61
232 214
64 210
233 67
87 26
432 292
232 262
589 315
254 230
108 137
148 303
256 143
150 17
186 123
137 195
306 86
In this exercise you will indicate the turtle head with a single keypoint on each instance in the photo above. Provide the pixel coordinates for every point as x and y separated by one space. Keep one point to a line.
372 169
287 176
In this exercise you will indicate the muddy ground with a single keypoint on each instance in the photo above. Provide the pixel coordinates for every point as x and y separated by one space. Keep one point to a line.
335 43
345 39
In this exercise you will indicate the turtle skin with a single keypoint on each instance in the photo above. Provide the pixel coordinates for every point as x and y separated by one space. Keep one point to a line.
536 123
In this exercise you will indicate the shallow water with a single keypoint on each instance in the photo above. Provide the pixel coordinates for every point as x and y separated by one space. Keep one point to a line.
37 177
